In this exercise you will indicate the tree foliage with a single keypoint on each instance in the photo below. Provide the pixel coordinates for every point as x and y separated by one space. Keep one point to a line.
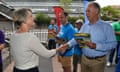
109 11
42 19
65 4
72 20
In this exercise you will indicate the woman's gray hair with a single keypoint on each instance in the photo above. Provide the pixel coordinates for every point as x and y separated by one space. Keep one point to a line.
19 16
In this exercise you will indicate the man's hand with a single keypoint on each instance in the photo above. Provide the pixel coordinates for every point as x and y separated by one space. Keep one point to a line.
54 34
90 44
62 48
60 40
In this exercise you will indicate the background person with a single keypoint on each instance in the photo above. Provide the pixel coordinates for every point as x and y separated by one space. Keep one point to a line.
77 51
66 33
2 44
52 29
116 27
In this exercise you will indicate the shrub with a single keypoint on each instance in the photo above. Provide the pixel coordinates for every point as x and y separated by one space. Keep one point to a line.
42 19
106 18
73 19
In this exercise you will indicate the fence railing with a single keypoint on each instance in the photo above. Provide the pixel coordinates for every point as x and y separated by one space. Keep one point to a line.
41 35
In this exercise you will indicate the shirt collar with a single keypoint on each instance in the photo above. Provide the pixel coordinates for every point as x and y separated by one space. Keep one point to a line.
97 22
66 24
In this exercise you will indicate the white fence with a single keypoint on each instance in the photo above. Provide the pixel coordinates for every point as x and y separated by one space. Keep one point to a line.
41 35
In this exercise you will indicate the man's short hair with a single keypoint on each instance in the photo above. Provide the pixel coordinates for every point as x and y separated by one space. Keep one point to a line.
96 5
65 13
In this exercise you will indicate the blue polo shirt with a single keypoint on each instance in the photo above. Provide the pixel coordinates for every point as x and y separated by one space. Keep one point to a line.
67 32
2 41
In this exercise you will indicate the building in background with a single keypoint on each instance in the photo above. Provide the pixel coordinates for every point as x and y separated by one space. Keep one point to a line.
6 22
46 6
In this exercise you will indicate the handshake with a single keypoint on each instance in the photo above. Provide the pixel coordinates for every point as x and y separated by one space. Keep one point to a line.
62 48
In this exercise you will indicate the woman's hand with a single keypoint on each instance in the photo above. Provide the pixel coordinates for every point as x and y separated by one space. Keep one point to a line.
62 48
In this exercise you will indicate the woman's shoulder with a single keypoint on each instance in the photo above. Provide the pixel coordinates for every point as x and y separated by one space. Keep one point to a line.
31 35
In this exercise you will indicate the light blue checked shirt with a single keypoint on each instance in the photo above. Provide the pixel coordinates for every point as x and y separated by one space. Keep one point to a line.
102 34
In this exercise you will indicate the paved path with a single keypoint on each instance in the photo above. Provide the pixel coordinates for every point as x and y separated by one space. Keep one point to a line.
57 67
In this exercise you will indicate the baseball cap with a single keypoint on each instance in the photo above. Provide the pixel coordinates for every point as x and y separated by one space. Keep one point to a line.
79 20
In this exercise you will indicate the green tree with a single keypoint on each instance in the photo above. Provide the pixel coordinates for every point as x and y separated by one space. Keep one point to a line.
109 11
65 4
42 19
73 19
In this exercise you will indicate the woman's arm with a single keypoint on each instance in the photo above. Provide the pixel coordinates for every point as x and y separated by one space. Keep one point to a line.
38 48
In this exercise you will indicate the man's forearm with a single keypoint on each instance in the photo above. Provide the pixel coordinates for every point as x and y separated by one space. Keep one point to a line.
64 46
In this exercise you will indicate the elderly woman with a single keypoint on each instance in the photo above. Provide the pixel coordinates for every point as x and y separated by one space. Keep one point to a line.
26 47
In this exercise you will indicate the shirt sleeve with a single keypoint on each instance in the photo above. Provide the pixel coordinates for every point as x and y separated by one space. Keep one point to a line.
50 27
72 42
56 28
60 34
38 48
113 26
70 33
2 38
110 42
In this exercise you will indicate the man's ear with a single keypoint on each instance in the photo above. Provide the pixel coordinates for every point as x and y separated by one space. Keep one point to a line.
96 11
67 17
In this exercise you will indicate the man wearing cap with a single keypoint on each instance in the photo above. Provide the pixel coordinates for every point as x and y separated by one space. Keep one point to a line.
78 24
77 52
